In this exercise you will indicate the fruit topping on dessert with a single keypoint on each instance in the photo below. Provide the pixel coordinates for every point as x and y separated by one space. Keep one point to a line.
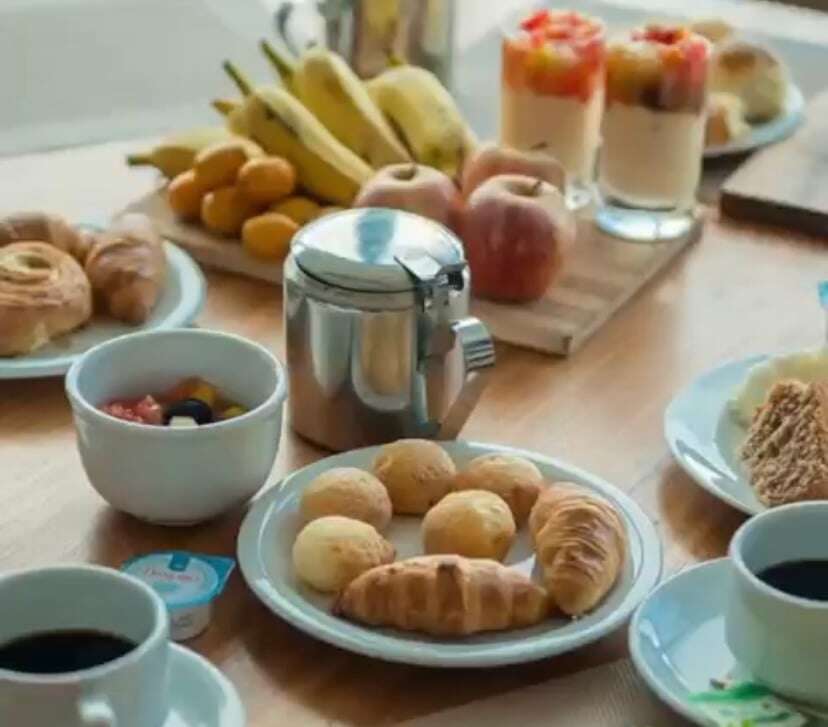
661 67
558 53
190 403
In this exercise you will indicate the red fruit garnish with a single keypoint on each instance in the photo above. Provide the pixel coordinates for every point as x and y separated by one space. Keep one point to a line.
149 411
538 20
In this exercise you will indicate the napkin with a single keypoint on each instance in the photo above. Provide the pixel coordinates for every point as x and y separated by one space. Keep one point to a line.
612 695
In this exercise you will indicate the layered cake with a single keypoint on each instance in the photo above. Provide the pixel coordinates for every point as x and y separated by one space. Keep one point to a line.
786 451
654 122
552 93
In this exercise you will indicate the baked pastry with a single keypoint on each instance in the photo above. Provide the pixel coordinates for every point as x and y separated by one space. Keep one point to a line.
581 547
127 267
725 119
715 30
517 480
41 227
544 505
474 523
752 73
350 492
786 450
331 551
43 293
444 595
416 472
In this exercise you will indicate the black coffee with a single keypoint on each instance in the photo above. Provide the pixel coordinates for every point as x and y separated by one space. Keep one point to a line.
803 578
56 652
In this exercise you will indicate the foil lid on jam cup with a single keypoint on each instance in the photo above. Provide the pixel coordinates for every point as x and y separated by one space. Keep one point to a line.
187 582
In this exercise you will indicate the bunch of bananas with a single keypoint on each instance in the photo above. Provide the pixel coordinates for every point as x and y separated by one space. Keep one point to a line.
332 129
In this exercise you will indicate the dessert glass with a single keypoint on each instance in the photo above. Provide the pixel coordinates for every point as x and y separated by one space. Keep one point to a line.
552 93
653 133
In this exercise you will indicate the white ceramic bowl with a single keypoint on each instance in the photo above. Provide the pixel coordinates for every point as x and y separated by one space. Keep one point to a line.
177 476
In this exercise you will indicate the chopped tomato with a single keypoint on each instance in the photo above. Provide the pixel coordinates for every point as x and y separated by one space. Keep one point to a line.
140 411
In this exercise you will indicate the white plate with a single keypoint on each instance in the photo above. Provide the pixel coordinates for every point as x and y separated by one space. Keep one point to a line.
705 439
270 527
768 132
181 302
677 637
200 695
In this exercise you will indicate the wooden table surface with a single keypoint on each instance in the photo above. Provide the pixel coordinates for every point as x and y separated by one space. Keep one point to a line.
739 291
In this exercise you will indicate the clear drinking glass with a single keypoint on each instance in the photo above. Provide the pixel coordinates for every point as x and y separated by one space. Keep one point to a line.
653 133
552 92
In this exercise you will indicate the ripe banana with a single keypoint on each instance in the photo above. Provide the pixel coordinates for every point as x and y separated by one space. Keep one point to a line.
281 125
425 115
177 153
328 87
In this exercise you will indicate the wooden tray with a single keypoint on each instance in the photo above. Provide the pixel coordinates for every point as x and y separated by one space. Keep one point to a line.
604 273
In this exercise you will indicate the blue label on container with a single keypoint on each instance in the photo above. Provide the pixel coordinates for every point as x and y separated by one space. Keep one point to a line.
182 579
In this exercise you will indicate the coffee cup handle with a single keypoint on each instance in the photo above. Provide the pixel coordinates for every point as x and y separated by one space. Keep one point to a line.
96 712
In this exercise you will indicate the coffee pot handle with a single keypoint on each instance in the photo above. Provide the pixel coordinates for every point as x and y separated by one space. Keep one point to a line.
96 712
478 353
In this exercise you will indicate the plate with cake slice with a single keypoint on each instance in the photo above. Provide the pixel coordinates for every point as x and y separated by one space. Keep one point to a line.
754 432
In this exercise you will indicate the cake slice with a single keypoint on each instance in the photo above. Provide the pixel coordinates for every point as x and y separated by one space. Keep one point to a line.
786 451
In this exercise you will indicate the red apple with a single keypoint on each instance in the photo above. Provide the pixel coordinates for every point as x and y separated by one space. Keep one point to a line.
415 188
516 231
490 160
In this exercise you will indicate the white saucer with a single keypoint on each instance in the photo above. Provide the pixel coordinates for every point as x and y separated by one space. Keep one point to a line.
200 695
705 439
180 303
271 525
768 132
677 637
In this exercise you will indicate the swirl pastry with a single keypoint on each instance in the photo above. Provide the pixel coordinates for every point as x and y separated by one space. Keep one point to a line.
43 293
30 226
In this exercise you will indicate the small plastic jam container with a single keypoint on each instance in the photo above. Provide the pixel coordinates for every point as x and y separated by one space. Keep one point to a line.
187 582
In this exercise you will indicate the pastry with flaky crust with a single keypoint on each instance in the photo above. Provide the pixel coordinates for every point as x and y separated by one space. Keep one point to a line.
581 544
127 267
444 595
517 480
41 227
43 293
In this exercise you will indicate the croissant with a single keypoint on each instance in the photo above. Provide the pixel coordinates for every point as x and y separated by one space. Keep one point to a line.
581 543
43 293
443 595
127 267
42 227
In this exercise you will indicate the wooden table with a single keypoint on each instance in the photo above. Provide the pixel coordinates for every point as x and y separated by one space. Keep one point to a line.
739 291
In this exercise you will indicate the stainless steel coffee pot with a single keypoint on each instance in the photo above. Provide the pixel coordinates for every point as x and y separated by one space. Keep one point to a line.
379 341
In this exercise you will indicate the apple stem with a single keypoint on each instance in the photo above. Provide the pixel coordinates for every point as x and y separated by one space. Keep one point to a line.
536 188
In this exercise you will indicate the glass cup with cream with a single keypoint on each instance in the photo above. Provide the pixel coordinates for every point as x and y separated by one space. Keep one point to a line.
653 133
552 92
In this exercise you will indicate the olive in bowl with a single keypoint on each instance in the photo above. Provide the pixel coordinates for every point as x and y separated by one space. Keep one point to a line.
167 474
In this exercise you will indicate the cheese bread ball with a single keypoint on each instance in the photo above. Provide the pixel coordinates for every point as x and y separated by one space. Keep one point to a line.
473 523
349 492
331 551
416 472
515 479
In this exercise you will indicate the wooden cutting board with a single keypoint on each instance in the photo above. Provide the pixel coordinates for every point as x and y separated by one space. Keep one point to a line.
786 184
602 275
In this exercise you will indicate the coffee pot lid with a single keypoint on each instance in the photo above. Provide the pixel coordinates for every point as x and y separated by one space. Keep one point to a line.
378 250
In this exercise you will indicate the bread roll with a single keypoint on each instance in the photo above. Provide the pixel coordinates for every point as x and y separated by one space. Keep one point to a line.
331 551
752 73
416 472
581 544
349 492
517 480
725 119
444 595
474 523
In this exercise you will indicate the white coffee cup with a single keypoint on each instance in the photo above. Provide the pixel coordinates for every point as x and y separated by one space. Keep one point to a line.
130 691
782 640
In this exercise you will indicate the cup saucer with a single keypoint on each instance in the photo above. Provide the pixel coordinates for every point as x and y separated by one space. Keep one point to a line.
200 695
677 637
